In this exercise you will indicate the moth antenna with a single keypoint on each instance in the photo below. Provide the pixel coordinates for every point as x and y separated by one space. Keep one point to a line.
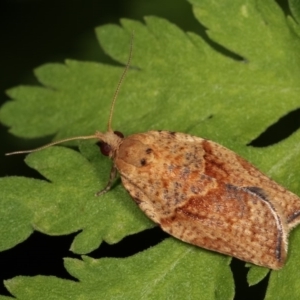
87 137
110 113
119 84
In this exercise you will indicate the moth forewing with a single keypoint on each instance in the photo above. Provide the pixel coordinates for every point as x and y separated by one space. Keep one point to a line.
206 195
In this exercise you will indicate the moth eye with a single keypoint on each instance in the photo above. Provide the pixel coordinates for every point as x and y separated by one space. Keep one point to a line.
104 148
119 134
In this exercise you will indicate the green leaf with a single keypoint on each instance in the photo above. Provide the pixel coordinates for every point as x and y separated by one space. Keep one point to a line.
67 203
284 284
176 82
295 9
256 274
170 270
5 298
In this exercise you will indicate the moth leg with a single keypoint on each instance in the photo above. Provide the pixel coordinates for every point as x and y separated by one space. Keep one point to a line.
112 176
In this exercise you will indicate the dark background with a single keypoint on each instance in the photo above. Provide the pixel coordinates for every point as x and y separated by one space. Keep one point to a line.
34 32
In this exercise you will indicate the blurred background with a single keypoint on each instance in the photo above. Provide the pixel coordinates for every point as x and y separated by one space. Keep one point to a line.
34 32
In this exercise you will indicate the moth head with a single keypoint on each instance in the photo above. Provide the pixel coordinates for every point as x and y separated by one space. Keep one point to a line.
109 142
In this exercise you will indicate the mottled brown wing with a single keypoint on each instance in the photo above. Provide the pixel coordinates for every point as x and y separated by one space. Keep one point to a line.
240 222
227 166
205 194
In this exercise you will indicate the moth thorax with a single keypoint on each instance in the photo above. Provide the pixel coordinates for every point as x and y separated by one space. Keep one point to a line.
136 153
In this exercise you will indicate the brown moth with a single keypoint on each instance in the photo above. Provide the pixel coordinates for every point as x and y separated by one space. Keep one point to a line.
201 192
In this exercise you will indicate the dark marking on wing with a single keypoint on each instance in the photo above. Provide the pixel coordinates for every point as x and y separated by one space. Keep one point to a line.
258 191
149 150
262 195
294 216
137 200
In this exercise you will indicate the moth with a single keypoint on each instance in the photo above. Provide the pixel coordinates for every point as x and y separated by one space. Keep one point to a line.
200 192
